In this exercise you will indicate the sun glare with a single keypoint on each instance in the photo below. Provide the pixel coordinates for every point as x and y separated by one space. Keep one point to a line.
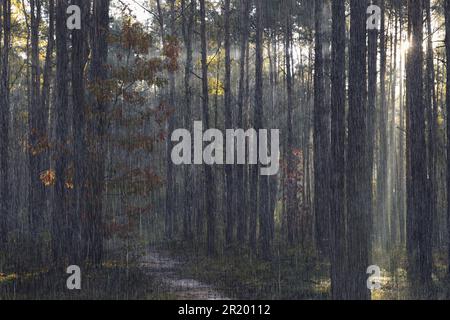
405 46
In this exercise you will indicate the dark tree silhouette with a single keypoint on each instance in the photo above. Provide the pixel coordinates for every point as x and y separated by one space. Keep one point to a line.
419 231
4 124
337 203
357 200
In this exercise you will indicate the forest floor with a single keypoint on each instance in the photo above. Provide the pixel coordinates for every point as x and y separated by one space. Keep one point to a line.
238 274
166 269
290 275
180 272
111 282
155 276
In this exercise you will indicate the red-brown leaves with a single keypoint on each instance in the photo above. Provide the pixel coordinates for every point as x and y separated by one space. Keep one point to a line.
134 37
171 51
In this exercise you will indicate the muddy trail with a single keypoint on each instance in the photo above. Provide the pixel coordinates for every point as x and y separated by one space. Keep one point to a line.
165 268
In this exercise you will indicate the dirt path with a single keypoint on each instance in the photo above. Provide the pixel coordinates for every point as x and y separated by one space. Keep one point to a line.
164 268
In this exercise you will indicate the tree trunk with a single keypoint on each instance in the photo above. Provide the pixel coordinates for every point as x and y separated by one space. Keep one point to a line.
47 76
321 140
240 171
357 200
337 218
47 72
382 127
37 134
431 112
98 129
259 120
402 168
209 187
60 237
188 24
419 255
273 78
170 174
290 181
253 179
4 124
447 46
230 218
372 109
79 60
